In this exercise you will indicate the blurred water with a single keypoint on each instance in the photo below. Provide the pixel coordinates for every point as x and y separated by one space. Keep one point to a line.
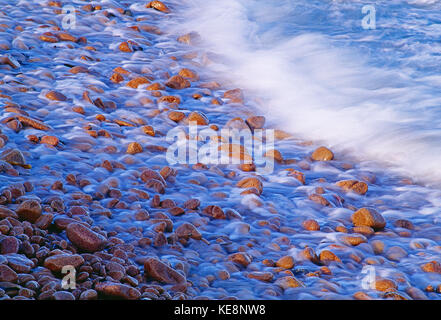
324 77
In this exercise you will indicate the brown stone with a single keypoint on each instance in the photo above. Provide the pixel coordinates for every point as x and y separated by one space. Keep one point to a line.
57 262
322 154
117 290
189 74
84 238
176 116
385 285
158 5
187 230
116 78
289 282
353 240
178 82
432 266
148 130
358 187
134 148
286 262
256 122
78 69
7 274
235 95
327 256
368 217
262 276
240 258
198 117
215 212
9 245
159 271
136 82
274 154
51 140
319 199
125 47
55 95
251 183
192 204
311 225
29 210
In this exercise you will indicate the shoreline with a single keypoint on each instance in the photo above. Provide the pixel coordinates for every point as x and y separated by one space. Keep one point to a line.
90 111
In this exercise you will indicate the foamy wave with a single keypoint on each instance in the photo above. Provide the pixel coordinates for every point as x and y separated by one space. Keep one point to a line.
322 92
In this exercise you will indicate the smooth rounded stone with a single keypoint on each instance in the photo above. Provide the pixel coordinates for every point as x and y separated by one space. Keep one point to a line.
215 212
117 290
57 262
396 253
353 239
311 225
416 293
368 217
240 258
355 186
84 238
274 155
198 117
256 122
5 212
322 154
319 199
13 156
189 74
134 148
262 276
176 116
192 204
89 294
385 285
250 183
286 262
187 230
327 257
178 82
55 95
29 210
377 246
403 223
9 245
158 5
364 230
44 221
432 266
136 82
51 140
359 295
63 295
7 274
19 262
161 272
288 282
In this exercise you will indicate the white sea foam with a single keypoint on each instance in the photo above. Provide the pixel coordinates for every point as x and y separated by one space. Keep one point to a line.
325 92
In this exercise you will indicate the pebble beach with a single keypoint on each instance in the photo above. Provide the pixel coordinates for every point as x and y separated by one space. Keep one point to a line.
89 92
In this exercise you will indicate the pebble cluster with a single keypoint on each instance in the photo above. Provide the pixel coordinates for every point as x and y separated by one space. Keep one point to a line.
85 181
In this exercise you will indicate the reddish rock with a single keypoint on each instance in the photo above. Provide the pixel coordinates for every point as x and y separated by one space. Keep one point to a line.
161 272
134 148
251 183
117 290
192 204
55 95
319 199
57 262
158 5
286 262
240 258
189 74
198 117
256 122
178 82
215 212
29 210
84 238
311 225
358 187
289 282
369 218
322 154
51 140
7 274
9 245
187 230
